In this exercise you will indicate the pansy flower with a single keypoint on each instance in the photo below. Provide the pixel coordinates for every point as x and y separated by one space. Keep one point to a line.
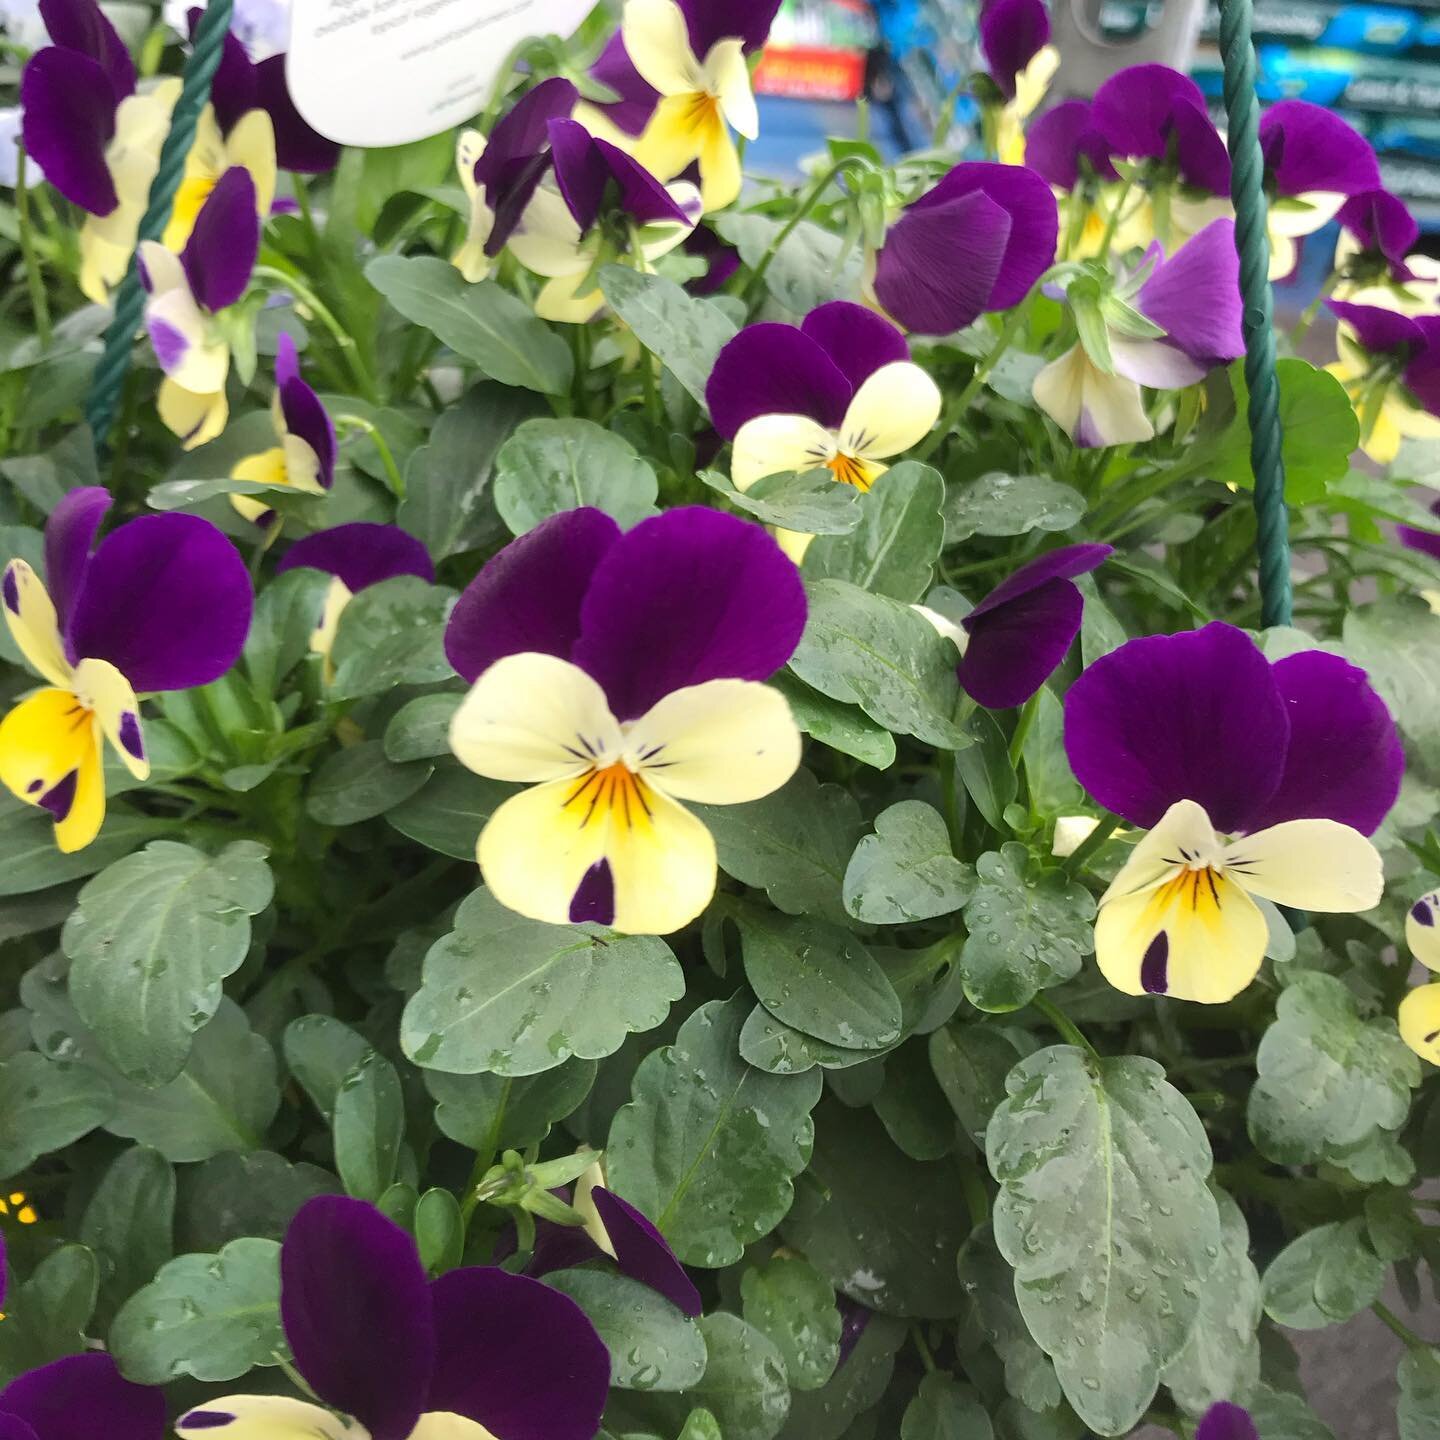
839 393
1225 1420
978 241
397 1356
355 556
1065 147
500 174
1374 260
1420 1010
1165 327
616 675
187 292
1015 638
1314 161
1021 61
305 457
1252 779
163 604
80 1395
1390 364
602 203
693 58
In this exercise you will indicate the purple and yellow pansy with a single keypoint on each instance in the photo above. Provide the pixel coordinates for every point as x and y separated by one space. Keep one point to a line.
838 393
478 1354
163 603
1375 257
1019 58
355 556
304 459
1419 1015
1252 779
187 292
618 676
1164 327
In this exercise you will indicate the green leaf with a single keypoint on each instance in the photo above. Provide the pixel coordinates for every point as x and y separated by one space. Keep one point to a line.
482 323
998 504
29 860
129 1223
845 728
894 548
809 501
1029 930
1417 1412
420 729
391 634
971 1063
882 1228
491 1113
811 267
449 811
818 979
287 611
793 844
685 332
984 769
1279 1415
912 1107
1327 1275
1397 642
1104 1213
549 466
1318 423
708 1146
770 1045
1327 1079
45 1105
215 1317
439 1231
906 869
871 651
944 1409
1052 787
322 1052
511 996
788 1300
368 1125
150 944
233 1195
48 1317
744 1385
827 1413
358 782
447 501
652 1345
1221 1357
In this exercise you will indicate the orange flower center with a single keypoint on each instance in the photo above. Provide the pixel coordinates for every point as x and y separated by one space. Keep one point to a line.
613 791
849 470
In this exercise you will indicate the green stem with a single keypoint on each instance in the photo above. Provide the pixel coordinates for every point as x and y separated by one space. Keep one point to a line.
342 337
1013 321
812 198
1313 308
1060 1021
1124 498
387 456
1075 862
923 1348
1022 729
39 304
1112 221
1399 1326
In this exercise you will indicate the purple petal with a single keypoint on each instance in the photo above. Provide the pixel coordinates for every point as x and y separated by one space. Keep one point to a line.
1309 148
1062 564
938 266
1012 33
854 1321
355 1303
1425 541
528 597
637 98
69 537
1344 761
1200 154
79 25
688 596
1226 1421
361 554
1029 248
723 259
305 416
1380 331
772 369
858 341
642 197
643 1253
68 120
1016 647
287 359
1422 372
1134 109
585 166
1195 296
1381 221
12 1427
221 250
83 1396
519 1358
234 91
298 146
1060 139
557 1247
517 155
167 601
711 20
1195 716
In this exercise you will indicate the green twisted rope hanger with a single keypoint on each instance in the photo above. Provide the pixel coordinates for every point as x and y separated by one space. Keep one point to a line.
109 378
1252 242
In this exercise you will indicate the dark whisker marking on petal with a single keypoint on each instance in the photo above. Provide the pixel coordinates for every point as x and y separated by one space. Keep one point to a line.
589 748
1431 1038
653 750
578 754
1171 860
1214 889
586 781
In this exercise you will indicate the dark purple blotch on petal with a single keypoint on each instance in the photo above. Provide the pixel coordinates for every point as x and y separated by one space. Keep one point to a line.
594 898
519 1358
207 1419
80 25
68 120
131 738
854 1321
355 1303
643 1253
69 537
1309 148
84 1396
1063 145
59 799
1155 966
1225 1420
773 369
361 554
1012 33
1422 913
858 341
233 91
167 600
221 251
169 344
528 597
685 597
11 588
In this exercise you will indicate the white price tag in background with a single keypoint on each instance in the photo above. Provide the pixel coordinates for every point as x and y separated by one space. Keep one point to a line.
386 72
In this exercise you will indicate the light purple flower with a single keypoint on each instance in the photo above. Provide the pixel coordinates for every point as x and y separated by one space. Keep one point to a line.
1413 341
976 242
1151 112
376 1339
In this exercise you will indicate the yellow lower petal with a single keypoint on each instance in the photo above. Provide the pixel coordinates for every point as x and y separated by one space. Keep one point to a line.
261 1417
104 691
1422 930
559 301
446 1425
196 419
720 177
33 624
1420 1022
50 757
776 444
677 134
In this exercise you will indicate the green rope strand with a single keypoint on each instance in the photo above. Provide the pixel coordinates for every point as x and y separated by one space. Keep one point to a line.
109 378
1252 242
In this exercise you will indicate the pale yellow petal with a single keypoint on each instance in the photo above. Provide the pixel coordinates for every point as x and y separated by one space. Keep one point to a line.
1309 865
677 134
776 444
547 239
1422 930
657 41
251 145
1182 835
727 78
33 624
559 300
104 691
262 1417
196 419
894 410
720 177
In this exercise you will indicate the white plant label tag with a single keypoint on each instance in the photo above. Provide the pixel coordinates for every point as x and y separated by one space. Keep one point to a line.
386 72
